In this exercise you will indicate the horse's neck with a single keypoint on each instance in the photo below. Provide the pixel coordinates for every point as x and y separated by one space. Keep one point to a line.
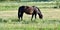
36 9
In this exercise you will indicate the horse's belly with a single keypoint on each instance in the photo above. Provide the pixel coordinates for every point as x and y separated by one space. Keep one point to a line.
29 12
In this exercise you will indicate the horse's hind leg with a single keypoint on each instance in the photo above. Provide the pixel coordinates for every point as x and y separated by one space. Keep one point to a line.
18 16
21 16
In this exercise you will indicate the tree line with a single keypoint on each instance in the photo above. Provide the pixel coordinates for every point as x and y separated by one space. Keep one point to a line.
28 0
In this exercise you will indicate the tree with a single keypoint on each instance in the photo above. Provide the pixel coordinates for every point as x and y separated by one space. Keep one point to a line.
57 3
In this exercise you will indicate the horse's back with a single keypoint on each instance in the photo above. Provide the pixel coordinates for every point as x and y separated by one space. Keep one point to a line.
29 10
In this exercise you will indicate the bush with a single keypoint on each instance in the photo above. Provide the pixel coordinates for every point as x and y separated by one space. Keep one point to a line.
55 7
59 6
0 19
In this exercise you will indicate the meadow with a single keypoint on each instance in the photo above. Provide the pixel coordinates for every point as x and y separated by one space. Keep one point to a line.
9 20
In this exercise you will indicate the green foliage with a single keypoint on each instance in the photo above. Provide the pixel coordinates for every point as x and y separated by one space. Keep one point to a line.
28 0
16 5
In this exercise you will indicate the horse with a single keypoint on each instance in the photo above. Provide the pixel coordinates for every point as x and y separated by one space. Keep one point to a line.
30 10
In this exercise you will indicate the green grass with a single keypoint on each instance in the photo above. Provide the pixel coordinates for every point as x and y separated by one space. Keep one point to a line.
9 20
50 21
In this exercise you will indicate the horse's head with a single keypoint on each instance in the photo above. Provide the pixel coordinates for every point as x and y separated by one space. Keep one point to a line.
39 13
40 16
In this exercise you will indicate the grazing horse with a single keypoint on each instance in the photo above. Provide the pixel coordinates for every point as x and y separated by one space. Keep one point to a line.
30 10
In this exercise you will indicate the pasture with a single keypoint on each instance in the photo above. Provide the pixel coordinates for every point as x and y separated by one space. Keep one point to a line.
9 20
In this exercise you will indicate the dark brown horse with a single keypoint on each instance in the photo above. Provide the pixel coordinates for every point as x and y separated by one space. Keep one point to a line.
31 10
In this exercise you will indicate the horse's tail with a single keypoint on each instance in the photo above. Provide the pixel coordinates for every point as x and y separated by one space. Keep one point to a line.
39 13
19 13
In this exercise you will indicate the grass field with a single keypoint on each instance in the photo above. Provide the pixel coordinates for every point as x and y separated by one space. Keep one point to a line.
8 18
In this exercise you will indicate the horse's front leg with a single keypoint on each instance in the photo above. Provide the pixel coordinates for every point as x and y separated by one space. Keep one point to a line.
35 15
32 16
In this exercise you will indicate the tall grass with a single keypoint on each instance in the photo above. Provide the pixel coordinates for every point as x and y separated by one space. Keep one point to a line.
50 21
15 5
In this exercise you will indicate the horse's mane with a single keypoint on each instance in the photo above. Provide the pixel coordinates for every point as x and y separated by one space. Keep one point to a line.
37 8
